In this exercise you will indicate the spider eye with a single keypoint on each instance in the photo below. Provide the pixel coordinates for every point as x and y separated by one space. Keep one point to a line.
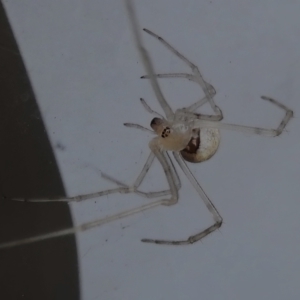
165 133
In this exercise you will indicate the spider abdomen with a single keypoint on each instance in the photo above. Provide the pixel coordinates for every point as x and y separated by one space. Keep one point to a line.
202 146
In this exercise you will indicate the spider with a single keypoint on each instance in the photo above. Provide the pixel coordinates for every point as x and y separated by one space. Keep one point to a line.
190 136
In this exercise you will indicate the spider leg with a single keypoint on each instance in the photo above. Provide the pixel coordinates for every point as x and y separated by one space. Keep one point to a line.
149 109
210 206
190 77
147 166
188 109
146 60
218 114
141 176
122 189
196 77
198 104
140 127
81 228
167 167
249 129
78 198
173 173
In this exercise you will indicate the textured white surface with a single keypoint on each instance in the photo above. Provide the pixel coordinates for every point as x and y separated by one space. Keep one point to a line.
85 73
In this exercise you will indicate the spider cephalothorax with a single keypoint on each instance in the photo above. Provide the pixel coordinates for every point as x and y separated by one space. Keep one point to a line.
172 136
160 127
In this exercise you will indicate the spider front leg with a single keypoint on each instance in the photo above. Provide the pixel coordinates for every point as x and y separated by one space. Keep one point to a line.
193 107
123 189
197 77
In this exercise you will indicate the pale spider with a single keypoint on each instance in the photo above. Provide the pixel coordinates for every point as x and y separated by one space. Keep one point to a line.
190 136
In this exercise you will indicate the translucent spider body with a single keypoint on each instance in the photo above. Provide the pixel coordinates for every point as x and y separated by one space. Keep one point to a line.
188 135
194 144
